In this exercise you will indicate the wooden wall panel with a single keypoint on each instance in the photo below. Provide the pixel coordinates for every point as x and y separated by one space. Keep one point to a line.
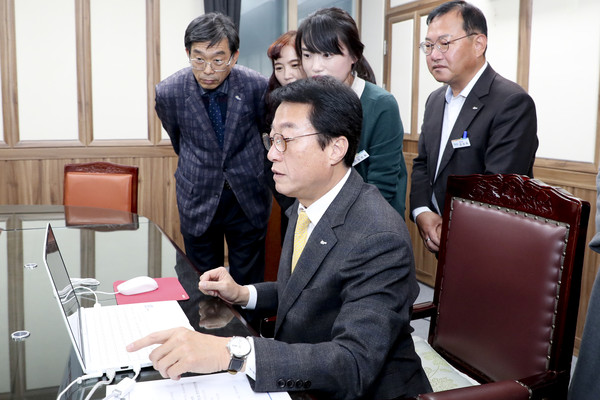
40 181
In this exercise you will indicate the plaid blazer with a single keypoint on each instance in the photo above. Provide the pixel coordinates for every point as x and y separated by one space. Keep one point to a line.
203 167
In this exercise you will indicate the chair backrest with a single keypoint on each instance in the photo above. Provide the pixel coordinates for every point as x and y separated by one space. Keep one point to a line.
508 277
101 184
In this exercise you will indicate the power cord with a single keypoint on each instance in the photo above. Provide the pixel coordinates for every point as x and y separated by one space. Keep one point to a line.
123 388
78 381
110 374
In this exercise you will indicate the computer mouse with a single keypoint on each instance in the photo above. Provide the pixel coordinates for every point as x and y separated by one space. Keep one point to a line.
140 284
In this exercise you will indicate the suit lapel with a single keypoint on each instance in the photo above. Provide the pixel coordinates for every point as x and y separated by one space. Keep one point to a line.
235 97
472 106
438 105
319 244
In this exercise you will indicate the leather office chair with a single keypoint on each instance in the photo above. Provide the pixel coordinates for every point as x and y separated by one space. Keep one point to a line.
507 288
101 184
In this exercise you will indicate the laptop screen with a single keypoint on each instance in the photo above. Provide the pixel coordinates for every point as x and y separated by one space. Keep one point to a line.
64 290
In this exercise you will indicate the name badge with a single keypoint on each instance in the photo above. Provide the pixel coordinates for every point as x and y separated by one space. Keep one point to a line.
460 143
360 156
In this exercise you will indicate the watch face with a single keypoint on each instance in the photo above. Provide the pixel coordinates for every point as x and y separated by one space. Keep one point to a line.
239 346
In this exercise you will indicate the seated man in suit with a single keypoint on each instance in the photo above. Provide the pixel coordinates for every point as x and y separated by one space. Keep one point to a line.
346 279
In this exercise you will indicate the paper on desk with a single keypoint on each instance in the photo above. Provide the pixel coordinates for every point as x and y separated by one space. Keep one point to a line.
203 387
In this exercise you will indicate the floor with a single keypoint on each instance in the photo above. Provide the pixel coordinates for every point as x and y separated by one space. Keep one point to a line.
421 327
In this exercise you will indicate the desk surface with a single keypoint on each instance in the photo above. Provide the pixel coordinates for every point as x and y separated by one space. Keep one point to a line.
102 244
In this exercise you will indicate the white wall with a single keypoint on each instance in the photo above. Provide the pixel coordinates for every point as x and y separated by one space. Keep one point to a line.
372 34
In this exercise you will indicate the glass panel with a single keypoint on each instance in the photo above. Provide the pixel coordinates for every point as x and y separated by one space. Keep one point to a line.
503 35
256 36
426 82
564 67
396 3
305 7
173 22
46 69
402 61
119 69
123 258
4 333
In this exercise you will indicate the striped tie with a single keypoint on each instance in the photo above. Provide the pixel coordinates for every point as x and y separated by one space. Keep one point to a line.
300 237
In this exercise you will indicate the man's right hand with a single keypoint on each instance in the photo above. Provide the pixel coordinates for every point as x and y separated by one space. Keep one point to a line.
218 283
430 228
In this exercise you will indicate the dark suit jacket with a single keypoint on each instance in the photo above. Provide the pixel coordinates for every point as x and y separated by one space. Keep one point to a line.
203 167
343 316
501 124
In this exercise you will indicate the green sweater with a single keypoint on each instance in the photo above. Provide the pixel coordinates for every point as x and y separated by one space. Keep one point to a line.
382 136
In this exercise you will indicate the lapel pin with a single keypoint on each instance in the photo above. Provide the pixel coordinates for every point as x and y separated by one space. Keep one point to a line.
238 98
323 242
474 107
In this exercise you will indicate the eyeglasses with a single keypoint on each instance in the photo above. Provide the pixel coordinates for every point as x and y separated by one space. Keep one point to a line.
216 65
442 44
280 141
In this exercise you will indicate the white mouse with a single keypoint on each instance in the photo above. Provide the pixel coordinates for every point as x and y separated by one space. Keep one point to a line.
140 284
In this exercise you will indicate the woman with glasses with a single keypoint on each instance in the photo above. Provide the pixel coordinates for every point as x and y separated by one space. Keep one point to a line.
329 43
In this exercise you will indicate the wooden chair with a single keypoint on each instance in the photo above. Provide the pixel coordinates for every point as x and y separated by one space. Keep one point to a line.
101 184
506 296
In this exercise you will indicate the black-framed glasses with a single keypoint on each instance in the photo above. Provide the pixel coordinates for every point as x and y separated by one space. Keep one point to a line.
442 44
280 141
217 65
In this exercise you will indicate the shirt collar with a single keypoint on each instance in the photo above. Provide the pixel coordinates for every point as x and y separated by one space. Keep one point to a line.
222 88
358 85
318 208
465 92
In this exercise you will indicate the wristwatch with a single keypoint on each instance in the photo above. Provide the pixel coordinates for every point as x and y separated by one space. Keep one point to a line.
239 348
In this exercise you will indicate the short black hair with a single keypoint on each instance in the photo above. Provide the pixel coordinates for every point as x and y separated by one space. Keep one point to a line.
335 109
212 28
473 19
324 30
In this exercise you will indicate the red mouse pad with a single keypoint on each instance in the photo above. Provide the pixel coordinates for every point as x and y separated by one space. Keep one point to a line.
168 289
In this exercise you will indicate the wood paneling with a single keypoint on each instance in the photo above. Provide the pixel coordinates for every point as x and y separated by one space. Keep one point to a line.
40 181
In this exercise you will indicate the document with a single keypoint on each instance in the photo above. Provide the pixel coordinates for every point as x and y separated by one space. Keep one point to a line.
221 386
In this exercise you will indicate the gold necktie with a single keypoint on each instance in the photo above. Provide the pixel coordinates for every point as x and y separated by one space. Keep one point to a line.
300 237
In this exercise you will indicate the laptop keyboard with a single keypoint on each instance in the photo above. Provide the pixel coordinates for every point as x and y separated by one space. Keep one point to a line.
111 328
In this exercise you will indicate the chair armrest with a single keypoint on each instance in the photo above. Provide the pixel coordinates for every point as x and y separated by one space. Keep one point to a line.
502 390
548 384
423 310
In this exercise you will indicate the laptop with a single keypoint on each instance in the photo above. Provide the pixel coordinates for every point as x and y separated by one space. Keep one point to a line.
99 334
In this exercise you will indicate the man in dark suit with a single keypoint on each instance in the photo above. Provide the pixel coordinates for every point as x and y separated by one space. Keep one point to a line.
213 111
478 123
343 303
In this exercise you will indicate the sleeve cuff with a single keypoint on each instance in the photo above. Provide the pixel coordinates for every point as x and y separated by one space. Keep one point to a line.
419 210
253 295
251 361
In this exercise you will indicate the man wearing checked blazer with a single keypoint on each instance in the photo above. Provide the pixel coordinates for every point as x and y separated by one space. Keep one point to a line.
343 310
478 123
213 112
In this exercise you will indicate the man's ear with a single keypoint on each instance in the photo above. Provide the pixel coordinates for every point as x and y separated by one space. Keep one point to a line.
234 58
339 148
480 44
